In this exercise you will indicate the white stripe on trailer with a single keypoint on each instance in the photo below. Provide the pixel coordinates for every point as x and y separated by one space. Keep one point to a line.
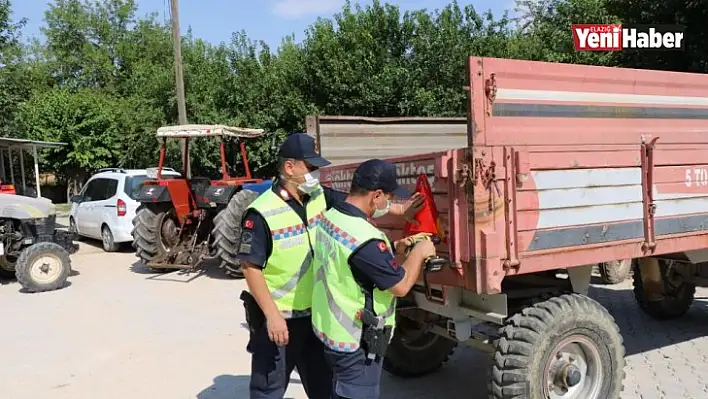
589 196
567 96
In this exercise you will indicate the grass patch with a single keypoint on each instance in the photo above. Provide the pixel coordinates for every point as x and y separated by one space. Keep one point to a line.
63 208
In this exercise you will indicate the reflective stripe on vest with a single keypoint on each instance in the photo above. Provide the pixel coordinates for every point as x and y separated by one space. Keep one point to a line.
337 298
288 269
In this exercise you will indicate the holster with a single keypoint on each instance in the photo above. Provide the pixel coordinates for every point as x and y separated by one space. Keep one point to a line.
375 336
254 315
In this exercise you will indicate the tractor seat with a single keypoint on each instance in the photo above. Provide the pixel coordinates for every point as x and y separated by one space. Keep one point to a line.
200 185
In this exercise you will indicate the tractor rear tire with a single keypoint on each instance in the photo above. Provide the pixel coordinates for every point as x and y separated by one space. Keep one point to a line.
146 234
30 266
227 232
677 298
569 342
616 271
414 352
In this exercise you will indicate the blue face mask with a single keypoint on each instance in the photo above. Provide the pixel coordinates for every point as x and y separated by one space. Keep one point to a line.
381 212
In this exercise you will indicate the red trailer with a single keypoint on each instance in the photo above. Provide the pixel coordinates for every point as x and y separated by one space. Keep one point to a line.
559 167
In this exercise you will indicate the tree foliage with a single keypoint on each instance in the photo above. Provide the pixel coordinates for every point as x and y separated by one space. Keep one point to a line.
103 80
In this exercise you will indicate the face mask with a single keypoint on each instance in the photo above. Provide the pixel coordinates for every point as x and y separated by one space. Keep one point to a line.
312 180
381 212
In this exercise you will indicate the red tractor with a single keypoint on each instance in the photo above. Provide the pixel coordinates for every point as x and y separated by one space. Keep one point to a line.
182 222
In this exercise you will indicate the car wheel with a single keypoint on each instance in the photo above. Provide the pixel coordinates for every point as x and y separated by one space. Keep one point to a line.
73 229
109 244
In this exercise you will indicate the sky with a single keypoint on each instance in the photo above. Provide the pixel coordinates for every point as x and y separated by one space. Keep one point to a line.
268 20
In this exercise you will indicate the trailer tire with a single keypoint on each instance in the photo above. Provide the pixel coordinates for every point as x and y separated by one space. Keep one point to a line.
28 265
616 271
146 235
227 232
673 305
551 338
414 352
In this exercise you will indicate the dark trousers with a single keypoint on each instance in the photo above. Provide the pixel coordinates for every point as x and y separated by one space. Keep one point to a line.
271 365
355 376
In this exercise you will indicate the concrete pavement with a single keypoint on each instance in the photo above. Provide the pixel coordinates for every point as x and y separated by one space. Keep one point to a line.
121 332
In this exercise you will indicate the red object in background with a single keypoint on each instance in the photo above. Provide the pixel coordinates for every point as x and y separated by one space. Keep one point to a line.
427 217
7 189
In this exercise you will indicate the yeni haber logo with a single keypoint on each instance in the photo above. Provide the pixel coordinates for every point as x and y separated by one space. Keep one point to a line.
612 37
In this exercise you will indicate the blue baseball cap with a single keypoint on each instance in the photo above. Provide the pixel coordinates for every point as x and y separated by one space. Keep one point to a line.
376 174
301 146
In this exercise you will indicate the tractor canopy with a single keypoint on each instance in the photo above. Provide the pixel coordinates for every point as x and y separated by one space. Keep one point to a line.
192 131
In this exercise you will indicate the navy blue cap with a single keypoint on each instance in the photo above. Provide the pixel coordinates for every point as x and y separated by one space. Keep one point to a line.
301 146
376 174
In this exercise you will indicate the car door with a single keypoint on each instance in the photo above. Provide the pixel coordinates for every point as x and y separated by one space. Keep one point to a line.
94 200
105 208
83 209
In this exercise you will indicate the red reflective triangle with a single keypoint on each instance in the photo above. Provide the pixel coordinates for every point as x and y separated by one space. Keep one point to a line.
427 217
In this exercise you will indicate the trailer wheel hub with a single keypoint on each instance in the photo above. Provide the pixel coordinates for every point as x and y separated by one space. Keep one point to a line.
572 376
573 369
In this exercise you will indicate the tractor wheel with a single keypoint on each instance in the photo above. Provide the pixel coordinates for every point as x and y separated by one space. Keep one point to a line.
675 301
148 225
7 266
414 351
616 271
227 232
44 266
568 346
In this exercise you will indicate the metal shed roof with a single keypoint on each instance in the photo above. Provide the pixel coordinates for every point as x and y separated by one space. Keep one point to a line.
28 144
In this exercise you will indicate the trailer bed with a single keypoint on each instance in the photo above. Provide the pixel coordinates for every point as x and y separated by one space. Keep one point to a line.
563 165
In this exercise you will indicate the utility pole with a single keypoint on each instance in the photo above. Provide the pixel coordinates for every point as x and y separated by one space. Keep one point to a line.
179 81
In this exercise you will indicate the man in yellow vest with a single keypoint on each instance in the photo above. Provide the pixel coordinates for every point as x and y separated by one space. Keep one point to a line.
357 281
275 252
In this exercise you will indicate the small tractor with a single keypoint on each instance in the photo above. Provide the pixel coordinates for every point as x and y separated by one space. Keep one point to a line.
31 248
183 222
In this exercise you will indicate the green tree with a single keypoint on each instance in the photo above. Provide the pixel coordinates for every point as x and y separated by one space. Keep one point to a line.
85 119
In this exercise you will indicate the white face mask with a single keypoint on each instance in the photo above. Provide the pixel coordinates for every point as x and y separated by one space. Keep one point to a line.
312 181
381 212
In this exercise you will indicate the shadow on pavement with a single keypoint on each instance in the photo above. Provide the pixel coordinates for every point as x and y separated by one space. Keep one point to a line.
124 248
230 387
210 268
640 331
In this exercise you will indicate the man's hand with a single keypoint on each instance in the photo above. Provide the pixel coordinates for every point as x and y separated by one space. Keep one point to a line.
278 330
401 245
424 249
412 207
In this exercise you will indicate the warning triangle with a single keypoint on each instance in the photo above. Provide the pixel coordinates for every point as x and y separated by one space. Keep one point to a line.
427 217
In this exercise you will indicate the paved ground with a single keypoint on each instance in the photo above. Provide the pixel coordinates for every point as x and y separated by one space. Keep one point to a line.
120 332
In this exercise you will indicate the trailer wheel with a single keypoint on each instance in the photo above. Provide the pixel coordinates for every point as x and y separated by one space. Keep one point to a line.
676 300
616 271
414 351
227 232
567 347
147 236
44 266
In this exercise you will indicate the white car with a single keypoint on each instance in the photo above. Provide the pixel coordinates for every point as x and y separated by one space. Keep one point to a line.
106 206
